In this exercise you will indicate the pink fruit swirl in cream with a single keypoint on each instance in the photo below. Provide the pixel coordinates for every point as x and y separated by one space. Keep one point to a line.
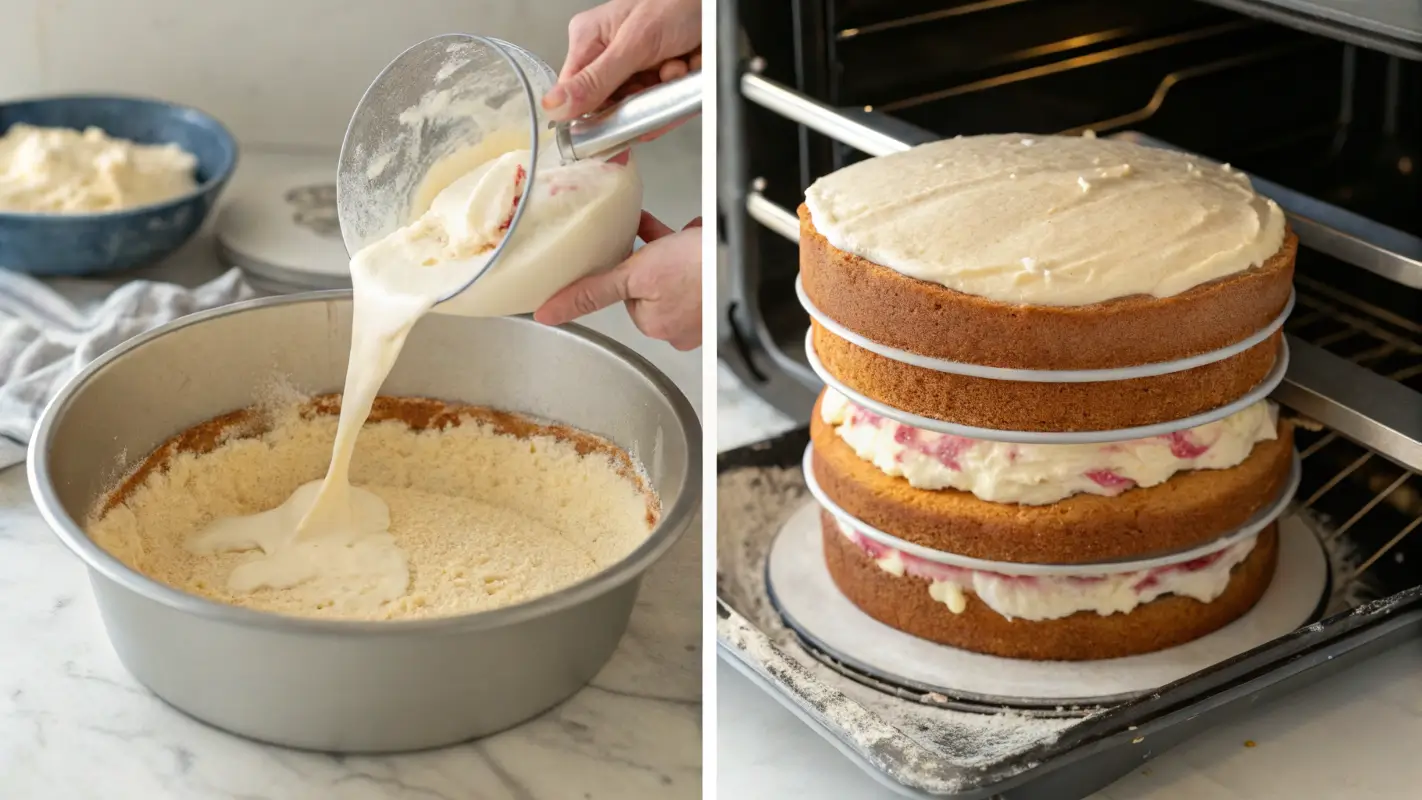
1002 472
1044 597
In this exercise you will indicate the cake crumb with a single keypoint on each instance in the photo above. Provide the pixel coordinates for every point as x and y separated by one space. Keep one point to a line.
487 516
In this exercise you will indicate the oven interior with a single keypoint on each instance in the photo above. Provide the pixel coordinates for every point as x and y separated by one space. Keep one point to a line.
1336 122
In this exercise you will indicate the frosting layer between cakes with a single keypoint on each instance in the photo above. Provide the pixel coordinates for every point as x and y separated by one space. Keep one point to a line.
1190 509
1040 474
1048 221
1036 598
903 602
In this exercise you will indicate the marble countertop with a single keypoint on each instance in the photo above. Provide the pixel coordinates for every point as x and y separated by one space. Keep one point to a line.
1353 735
74 725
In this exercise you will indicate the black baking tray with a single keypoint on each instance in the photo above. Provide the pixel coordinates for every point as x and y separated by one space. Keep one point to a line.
1108 742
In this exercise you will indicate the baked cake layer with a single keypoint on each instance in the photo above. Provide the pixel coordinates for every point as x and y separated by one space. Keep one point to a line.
1189 510
890 308
1049 407
904 602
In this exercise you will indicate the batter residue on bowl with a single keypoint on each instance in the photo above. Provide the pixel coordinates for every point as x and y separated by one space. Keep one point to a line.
488 509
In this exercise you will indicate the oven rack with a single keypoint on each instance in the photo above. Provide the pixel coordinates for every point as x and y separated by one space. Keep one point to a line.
1389 26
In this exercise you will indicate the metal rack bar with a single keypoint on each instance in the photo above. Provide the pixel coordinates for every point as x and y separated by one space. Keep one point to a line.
1389 26
1371 409
772 216
819 117
1346 236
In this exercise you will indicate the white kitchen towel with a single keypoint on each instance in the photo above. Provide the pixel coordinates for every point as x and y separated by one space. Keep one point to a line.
45 338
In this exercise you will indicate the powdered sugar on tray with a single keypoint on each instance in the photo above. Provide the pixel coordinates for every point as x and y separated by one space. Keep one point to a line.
915 740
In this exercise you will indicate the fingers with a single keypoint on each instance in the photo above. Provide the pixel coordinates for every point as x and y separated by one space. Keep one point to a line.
660 284
665 284
587 89
582 50
586 295
650 229
588 36
584 87
673 69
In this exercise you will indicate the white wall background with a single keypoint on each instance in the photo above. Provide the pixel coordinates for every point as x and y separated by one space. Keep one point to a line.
285 75
282 74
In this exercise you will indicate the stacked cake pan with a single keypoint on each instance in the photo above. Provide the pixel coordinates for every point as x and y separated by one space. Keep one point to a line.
1074 489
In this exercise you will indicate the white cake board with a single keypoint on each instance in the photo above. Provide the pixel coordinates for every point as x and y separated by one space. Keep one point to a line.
801 588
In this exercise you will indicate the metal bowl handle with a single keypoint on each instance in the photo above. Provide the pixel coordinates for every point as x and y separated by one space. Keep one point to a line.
646 111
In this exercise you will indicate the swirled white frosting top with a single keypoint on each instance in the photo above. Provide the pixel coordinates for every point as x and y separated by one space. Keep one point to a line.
1048 220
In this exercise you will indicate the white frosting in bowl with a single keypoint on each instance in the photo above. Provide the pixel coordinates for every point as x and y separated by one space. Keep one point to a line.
64 171
1051 220
1003 472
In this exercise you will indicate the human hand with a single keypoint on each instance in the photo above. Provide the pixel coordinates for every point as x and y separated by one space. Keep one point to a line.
622 47
660 285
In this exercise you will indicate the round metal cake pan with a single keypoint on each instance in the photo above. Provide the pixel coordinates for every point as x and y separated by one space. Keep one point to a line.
355 686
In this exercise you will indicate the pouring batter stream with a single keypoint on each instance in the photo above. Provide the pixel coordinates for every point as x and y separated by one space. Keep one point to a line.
579 218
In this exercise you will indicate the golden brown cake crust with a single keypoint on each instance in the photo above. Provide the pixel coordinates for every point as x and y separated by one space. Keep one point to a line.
904 603
1188 510
926 318
419 413
1049 407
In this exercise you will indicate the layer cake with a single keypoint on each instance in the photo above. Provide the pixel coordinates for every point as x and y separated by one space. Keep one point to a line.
1049 504
1047 253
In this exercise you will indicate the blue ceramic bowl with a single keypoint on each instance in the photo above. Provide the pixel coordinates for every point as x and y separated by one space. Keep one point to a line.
85 244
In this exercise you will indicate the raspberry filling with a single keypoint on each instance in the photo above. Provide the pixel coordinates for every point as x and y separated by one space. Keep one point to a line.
1040 474
946 448
938 571
1054 596
519 177
1109 480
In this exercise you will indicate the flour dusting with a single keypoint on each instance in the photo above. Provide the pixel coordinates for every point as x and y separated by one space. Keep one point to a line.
487 518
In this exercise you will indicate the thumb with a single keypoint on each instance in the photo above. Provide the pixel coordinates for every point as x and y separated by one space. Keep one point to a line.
584 296
587 89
